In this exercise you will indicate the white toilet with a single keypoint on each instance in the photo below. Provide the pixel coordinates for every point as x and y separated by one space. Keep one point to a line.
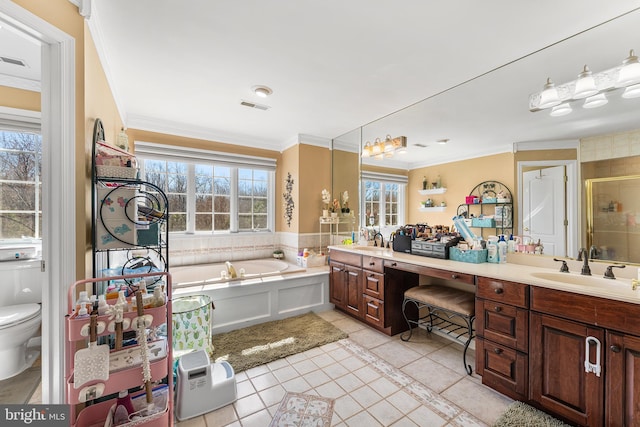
20 315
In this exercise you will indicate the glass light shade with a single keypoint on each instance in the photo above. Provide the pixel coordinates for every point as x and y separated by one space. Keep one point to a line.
388 144
549 96
585 85
629 74
595 101
378 147
632 92
561 110
366 150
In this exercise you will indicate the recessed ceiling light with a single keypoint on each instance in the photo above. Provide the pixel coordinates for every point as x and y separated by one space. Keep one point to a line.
442 141
262 91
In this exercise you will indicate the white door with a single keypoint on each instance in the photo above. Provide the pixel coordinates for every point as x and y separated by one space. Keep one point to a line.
543 208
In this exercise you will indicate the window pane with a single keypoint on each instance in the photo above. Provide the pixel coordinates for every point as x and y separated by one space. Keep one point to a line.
221 204
204 222
244 205
260 221
260 206
177 222
203 203
221 222
17 197
177 203
16 225
244 222
204 184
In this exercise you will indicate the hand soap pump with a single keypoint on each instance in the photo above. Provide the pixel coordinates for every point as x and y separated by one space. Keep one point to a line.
511 245
502 250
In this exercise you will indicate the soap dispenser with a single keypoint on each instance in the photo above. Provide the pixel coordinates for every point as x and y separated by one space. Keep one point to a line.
502 250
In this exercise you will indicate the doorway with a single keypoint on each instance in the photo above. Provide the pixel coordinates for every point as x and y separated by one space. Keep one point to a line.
58 184
544 209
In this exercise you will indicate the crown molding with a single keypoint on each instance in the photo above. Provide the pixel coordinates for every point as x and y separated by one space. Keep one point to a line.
559 144
318 141
20 83
457 156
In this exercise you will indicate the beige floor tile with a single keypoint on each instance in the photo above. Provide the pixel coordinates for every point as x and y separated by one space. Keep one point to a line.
335 371
305 366
295 358
192 422
367 374
403 401
331 315
424 343
316 378
245 388
368 338
385 412
296 385
352 363
338 353
349 325
241 376
424 416
277 364
331 390
330 347
221 417
248 405
396 354
362 419
286 373
264 381
451 357
257 371
346 406
314 352
365 396
433 375
383 387
273 395
323 360
478 400
259 419
349 382
404 422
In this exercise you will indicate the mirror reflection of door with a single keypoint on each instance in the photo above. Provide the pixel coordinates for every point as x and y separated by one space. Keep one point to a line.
543 208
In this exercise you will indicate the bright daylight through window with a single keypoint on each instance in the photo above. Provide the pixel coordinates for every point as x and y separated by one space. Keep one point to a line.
382 203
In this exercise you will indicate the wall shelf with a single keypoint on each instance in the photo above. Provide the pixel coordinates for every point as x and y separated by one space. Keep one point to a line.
433 209
431 191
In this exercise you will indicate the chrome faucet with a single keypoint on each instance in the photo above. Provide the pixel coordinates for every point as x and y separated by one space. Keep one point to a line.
593 252
586 271
231 270
381 239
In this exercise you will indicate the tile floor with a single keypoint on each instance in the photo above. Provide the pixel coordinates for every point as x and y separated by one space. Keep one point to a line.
376 380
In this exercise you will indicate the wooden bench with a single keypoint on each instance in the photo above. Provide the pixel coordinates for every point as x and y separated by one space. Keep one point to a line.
443 304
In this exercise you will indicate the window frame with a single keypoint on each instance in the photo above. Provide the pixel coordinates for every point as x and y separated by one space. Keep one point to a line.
383 179
193 157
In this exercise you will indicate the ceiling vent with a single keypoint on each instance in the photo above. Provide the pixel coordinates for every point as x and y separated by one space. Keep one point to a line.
254 105
420 145
18 62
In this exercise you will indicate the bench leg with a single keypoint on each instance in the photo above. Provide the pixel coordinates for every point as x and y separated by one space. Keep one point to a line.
409 323
466 345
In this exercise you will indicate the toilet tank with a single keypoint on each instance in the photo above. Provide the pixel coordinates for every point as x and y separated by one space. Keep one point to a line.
21 281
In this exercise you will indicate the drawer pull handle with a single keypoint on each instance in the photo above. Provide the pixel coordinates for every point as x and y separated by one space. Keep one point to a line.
394 264
372 263
454 276
497 350
498 309
615 348
498 290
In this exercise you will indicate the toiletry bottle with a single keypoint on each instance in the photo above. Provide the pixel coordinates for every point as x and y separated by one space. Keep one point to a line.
438 182
158 296
502 250
122 300
424 182
492 251
102 305
82 313
511 245
142 286
83 299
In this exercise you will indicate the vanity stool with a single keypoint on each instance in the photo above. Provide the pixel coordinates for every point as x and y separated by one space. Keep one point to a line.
443 304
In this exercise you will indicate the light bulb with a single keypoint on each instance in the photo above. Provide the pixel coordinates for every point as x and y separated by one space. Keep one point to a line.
629 74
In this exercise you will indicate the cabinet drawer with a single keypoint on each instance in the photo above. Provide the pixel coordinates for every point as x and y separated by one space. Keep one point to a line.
346 257
502 368
373 311
504 324
432 272
373 263
374 284
502 291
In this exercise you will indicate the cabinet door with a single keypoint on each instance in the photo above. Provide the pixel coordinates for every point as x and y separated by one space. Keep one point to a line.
623 380
337 284
502 368
354 301
374 284
502 323
373 311
557 352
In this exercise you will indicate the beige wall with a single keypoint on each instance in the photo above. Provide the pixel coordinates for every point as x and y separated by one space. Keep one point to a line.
315 175
290 165
459 178
19 98
346 177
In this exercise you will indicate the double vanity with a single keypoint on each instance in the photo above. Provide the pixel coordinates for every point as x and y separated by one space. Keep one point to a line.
566 343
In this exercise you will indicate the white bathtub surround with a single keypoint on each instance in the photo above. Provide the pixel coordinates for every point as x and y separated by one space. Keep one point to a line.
250 301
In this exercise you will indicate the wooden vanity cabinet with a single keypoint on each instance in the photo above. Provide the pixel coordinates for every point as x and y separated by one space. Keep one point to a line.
622 382
502 339
345 282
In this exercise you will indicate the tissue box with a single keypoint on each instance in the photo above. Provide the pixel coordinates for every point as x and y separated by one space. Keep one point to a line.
471 256
483 222
314 261
470 200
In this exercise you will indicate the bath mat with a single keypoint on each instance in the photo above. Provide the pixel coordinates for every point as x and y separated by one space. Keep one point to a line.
520 414
302 410
256 345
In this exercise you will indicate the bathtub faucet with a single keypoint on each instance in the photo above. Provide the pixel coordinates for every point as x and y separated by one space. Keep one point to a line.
231 270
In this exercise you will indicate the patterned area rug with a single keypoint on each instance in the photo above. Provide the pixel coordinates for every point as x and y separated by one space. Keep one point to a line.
303 410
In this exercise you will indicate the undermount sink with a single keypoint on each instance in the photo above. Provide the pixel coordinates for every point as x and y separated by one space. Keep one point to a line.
578 279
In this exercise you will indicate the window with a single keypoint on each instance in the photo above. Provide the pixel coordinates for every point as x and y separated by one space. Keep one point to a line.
20 184
383 199
209 191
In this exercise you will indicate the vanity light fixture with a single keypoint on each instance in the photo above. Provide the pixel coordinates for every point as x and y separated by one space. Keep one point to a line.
591 87
262 91
384 149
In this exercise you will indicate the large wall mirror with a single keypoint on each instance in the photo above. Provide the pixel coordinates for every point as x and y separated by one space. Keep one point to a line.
345 177
489 114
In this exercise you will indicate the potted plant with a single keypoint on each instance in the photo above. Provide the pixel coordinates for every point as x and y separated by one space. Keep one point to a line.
345 202
326 201
278 254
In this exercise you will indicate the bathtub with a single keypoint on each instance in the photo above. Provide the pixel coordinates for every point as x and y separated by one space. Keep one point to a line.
270 290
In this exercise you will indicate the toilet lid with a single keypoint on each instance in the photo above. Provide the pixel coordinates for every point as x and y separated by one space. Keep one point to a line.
14 314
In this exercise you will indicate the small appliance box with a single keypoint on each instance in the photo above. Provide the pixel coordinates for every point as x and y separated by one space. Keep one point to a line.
402 243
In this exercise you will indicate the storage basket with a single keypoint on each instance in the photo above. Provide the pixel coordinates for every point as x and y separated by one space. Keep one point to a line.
192 322
483 222
104 171
489 200
472 256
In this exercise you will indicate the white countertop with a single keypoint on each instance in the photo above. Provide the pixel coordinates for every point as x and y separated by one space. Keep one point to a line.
518 271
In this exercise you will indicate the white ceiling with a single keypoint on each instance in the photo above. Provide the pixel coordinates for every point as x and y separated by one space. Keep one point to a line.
183 68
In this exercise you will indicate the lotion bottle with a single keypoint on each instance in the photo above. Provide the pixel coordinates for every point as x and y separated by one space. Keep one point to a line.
502 250
492 251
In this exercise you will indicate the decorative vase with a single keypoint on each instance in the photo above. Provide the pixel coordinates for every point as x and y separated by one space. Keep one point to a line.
325 213
334 214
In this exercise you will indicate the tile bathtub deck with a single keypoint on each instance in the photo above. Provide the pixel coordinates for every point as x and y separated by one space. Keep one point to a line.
376 380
